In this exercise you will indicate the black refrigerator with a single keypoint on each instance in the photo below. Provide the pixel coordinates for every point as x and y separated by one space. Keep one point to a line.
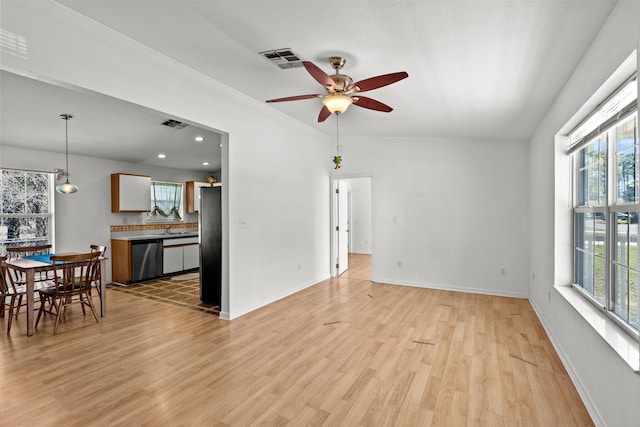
210 228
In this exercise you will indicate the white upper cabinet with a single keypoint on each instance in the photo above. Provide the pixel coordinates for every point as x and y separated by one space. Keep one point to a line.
130 193
193 194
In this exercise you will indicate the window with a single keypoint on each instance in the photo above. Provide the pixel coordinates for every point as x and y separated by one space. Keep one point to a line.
607 206
166 201
26 208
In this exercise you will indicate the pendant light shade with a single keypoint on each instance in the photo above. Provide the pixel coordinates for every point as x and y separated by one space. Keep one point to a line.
67 187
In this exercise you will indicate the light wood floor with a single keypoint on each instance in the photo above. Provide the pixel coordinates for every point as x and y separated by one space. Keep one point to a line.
345 352
359 267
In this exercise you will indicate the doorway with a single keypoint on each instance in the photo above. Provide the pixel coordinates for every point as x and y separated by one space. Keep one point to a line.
352 224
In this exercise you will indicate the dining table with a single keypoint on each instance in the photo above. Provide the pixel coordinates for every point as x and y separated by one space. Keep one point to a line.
32 264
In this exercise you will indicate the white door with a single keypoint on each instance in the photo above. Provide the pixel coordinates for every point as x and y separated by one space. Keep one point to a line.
342 232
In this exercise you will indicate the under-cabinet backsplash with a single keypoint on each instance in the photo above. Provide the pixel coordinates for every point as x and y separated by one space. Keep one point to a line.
145 227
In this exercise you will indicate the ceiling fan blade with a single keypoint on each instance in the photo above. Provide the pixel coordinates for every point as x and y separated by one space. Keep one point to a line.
378 81
295 98
320 76
324 113
371 104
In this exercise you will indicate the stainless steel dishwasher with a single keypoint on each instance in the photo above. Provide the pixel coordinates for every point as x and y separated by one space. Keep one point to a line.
146 259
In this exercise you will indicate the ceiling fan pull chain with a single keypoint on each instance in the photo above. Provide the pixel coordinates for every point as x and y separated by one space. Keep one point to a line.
337 133
337 159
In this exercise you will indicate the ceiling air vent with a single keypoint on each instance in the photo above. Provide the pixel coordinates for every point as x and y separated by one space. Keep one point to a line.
283 58
175 124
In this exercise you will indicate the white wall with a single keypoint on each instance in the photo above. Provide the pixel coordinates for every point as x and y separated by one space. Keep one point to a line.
608 386
275 170
84 218
360 228
453 213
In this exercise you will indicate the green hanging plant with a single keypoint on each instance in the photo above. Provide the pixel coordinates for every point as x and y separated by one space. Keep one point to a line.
337 160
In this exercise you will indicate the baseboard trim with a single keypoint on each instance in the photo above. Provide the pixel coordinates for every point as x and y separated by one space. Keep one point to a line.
471 290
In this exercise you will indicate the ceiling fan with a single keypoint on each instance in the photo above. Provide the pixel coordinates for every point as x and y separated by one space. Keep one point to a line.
342 92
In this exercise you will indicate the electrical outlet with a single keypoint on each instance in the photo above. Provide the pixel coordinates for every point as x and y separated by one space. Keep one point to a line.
124 221
243 223
399 263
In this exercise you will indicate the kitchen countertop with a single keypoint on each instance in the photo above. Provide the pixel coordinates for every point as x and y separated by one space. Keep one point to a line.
173 235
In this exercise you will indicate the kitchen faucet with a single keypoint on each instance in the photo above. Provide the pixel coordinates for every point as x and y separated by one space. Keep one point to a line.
168 229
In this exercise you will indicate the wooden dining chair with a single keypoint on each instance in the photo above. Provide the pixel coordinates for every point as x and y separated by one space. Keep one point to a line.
21 251
9 290
19 278
73 276
98 283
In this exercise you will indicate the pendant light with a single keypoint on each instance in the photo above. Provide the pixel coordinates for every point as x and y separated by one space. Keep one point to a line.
67 187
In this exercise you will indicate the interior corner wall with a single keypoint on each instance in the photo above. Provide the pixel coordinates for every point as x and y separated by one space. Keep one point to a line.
276 169
447 213
607 384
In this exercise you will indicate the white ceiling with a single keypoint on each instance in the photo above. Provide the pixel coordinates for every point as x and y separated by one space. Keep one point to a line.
101 127
477 69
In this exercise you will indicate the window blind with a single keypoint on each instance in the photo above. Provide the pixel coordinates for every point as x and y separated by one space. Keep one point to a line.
622 103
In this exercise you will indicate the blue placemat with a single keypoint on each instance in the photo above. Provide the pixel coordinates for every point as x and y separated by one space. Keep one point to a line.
42 258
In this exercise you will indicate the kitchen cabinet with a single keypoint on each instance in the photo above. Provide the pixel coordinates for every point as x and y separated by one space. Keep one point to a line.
173 259
180 254
191 257
177 254
130 193
193 194
121 261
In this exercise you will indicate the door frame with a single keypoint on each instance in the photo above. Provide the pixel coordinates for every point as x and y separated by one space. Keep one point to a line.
333 218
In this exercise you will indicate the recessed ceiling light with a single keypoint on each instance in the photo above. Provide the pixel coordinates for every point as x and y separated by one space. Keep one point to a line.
199 138
205 163
162 156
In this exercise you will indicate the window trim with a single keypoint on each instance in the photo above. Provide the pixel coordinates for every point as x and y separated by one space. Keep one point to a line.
623 344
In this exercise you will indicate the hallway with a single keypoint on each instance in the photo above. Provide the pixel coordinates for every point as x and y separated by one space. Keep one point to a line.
359 267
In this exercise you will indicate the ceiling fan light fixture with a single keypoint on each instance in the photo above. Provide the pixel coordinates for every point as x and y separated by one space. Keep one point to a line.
337 103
